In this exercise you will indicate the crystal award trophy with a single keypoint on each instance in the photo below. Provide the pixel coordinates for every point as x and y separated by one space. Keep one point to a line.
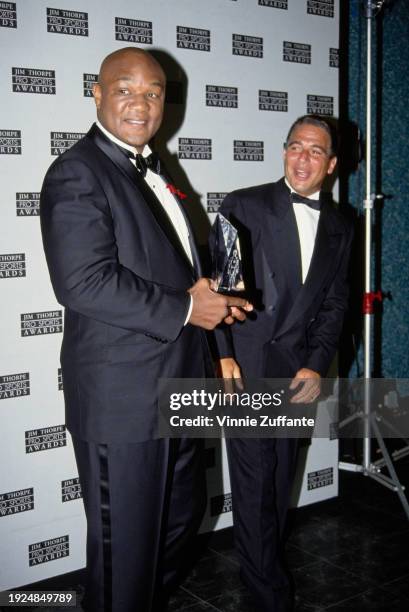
227 271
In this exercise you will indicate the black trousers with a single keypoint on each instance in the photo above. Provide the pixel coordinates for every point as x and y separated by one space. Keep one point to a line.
143 502
261 476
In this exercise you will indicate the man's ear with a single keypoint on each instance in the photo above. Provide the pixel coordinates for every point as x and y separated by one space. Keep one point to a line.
96 90
332 164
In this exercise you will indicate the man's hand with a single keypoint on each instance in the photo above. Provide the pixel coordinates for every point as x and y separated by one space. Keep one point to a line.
210 308
310 389
228 369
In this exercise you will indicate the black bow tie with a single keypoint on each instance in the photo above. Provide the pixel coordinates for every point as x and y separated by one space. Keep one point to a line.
142 164
295 198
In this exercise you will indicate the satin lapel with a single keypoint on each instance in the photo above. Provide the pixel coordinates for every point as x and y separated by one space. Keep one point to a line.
195 255
274 242
155 207
326 246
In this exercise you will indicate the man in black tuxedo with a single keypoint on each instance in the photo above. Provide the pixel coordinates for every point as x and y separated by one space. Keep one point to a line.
296 249
123 262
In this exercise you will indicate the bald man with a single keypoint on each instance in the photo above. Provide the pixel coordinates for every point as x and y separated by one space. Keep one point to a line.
123 262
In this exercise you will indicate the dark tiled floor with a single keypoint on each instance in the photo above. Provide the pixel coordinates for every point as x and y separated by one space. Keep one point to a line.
349 554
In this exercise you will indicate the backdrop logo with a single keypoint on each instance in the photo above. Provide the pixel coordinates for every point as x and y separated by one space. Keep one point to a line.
14 385
41 323
70 490
15 502
320 478
49 550
13 265
195 39
333 57
220 504
250 46
320 105
45 439
62 141
88 83
60 21
10 142
300 53
324 8
8 15
27 204
272 100
195 148
219 95
214 201
279 4
59 378
248 150
33 80
133 30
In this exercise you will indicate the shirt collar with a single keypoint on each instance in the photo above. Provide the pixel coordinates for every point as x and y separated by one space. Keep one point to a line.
314 196
146 151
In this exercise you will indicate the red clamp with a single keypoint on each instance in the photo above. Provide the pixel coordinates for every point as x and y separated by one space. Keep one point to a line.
368 301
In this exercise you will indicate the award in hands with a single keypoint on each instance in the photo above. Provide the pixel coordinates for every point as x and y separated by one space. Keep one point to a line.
227 269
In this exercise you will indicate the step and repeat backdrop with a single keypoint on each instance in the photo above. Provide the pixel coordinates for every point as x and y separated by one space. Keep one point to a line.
240 71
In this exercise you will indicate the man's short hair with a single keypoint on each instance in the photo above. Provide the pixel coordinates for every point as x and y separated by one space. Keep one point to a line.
322 122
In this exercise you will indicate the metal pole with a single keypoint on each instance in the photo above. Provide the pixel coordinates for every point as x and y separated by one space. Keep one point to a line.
368 205
370 424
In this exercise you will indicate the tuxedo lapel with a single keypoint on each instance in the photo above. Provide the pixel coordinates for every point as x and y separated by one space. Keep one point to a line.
119 158
289 246
327 243
281 249
195 255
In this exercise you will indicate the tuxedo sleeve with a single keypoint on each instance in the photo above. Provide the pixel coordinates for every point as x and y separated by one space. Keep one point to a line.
82 257
325 330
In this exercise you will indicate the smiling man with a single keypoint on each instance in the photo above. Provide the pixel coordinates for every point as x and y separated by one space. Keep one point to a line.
308 156
296 249
116 93
123 262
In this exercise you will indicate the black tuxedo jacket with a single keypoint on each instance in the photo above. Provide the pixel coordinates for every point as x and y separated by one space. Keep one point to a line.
289 330
118 267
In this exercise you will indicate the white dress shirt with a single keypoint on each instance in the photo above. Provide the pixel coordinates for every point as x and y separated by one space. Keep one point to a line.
165 197
307 222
